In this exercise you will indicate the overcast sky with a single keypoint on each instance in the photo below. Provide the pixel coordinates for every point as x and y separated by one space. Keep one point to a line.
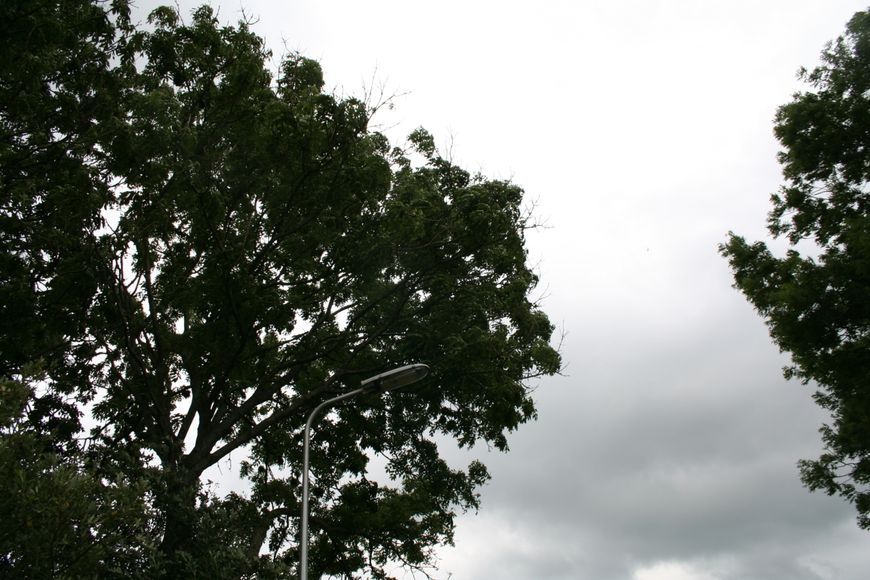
643 132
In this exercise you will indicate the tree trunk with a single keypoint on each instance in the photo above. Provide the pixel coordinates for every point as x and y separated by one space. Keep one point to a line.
177 502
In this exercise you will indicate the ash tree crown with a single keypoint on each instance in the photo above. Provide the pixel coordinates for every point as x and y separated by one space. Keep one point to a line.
199 254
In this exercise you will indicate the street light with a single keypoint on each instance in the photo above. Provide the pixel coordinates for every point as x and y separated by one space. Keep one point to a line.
382 383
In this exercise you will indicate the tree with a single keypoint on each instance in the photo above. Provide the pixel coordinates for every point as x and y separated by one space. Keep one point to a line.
195 254
815 298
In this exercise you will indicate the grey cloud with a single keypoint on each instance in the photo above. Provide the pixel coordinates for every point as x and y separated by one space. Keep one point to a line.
682 449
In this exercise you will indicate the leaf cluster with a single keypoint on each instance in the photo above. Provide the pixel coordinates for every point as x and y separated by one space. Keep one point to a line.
60 517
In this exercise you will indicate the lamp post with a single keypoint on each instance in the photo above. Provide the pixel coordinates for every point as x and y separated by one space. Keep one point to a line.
379 384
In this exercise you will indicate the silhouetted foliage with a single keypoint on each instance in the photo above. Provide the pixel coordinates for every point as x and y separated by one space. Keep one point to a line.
817 306
195 254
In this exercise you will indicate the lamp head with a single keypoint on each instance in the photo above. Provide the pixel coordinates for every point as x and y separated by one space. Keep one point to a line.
395 379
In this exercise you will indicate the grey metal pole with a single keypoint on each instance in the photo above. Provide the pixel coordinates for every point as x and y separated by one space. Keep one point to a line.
303 535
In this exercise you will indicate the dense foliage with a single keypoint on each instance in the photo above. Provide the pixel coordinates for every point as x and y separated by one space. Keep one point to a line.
817 301
194 255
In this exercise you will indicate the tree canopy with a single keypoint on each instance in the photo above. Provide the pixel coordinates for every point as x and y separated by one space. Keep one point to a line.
815 297
195 254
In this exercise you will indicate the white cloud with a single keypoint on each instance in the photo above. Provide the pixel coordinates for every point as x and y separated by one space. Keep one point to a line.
671 571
